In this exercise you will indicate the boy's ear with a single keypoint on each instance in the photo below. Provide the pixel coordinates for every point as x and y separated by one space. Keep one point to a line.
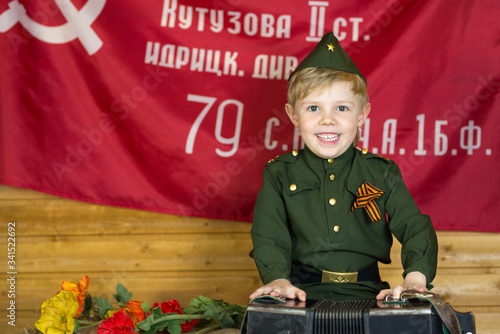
364 114
291 114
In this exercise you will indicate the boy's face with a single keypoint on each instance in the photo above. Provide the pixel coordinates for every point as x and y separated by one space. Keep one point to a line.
328 121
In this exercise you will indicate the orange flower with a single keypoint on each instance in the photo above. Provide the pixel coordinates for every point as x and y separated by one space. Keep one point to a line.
134 310
79 290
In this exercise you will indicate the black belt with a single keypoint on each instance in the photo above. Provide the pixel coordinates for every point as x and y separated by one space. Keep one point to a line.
302 273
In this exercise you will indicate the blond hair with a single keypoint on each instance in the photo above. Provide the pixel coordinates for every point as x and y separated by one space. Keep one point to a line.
305 81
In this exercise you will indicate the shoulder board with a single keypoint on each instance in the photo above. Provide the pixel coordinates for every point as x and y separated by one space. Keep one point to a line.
366 154
287 157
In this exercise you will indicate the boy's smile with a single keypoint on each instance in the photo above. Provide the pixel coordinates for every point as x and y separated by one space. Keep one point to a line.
328 120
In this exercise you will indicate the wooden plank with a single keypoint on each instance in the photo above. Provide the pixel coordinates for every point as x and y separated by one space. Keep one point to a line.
133 253
58 217
232 286
459 290
456 248
459 286
470 288
50 215
487 323
459 249
66 217
154 286
203 250
23 320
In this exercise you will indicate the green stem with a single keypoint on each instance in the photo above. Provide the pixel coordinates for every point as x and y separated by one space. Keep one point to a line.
88 324
178 317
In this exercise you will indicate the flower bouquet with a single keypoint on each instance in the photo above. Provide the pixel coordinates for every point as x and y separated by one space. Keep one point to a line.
73 308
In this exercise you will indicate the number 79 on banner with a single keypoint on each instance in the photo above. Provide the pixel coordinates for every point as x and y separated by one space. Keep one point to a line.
210 101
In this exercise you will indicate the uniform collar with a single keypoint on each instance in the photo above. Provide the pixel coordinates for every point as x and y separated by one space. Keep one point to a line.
313 160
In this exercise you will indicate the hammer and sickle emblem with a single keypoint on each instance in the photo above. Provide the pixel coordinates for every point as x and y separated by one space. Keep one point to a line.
77 25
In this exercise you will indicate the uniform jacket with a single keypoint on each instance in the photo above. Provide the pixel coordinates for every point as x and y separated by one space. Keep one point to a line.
303 214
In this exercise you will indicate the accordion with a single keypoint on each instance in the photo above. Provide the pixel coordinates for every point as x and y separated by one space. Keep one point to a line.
271 316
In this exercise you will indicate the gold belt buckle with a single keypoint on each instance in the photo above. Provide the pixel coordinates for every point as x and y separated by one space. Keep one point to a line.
334 277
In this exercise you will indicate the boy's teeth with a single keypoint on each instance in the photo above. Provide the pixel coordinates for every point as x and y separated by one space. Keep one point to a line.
328 137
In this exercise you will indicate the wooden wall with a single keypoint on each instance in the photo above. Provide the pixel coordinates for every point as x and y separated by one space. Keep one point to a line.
160 257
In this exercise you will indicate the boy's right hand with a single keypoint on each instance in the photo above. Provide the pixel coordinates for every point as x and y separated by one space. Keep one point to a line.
280 287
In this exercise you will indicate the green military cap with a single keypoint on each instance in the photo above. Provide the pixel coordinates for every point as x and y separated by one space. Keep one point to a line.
328 53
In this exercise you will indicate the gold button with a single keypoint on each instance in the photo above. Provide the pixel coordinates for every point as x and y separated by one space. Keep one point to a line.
293 187
330 161
364 151
295 153
336 229
332 201
332 177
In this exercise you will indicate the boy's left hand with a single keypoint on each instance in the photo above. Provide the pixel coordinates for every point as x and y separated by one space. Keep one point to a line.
413 281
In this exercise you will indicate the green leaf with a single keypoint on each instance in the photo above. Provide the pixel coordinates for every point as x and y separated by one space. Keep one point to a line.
174 326
77 326
192 310
145 325
122 295
102 305
157 321
151 331
196 302
224 314
87 305
157 311
145 307
206 300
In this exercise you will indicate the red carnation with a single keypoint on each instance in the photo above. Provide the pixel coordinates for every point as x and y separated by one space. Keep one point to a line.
119 323
173 306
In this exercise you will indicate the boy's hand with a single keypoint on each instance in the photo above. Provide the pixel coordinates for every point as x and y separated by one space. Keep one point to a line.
413 281
280 287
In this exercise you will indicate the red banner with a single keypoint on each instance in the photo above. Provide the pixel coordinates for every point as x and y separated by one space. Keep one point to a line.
175 106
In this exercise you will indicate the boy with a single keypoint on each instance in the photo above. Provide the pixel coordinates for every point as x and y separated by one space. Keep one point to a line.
324 215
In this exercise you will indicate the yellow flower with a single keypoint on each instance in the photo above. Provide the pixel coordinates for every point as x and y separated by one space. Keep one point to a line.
79 290
58 314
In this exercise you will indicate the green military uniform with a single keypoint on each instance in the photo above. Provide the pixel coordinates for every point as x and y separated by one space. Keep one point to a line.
304 214
337 214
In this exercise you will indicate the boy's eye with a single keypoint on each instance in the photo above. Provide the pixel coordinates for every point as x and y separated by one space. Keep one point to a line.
313 108
342 108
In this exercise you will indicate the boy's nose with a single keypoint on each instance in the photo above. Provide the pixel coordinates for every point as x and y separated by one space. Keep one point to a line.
327 118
